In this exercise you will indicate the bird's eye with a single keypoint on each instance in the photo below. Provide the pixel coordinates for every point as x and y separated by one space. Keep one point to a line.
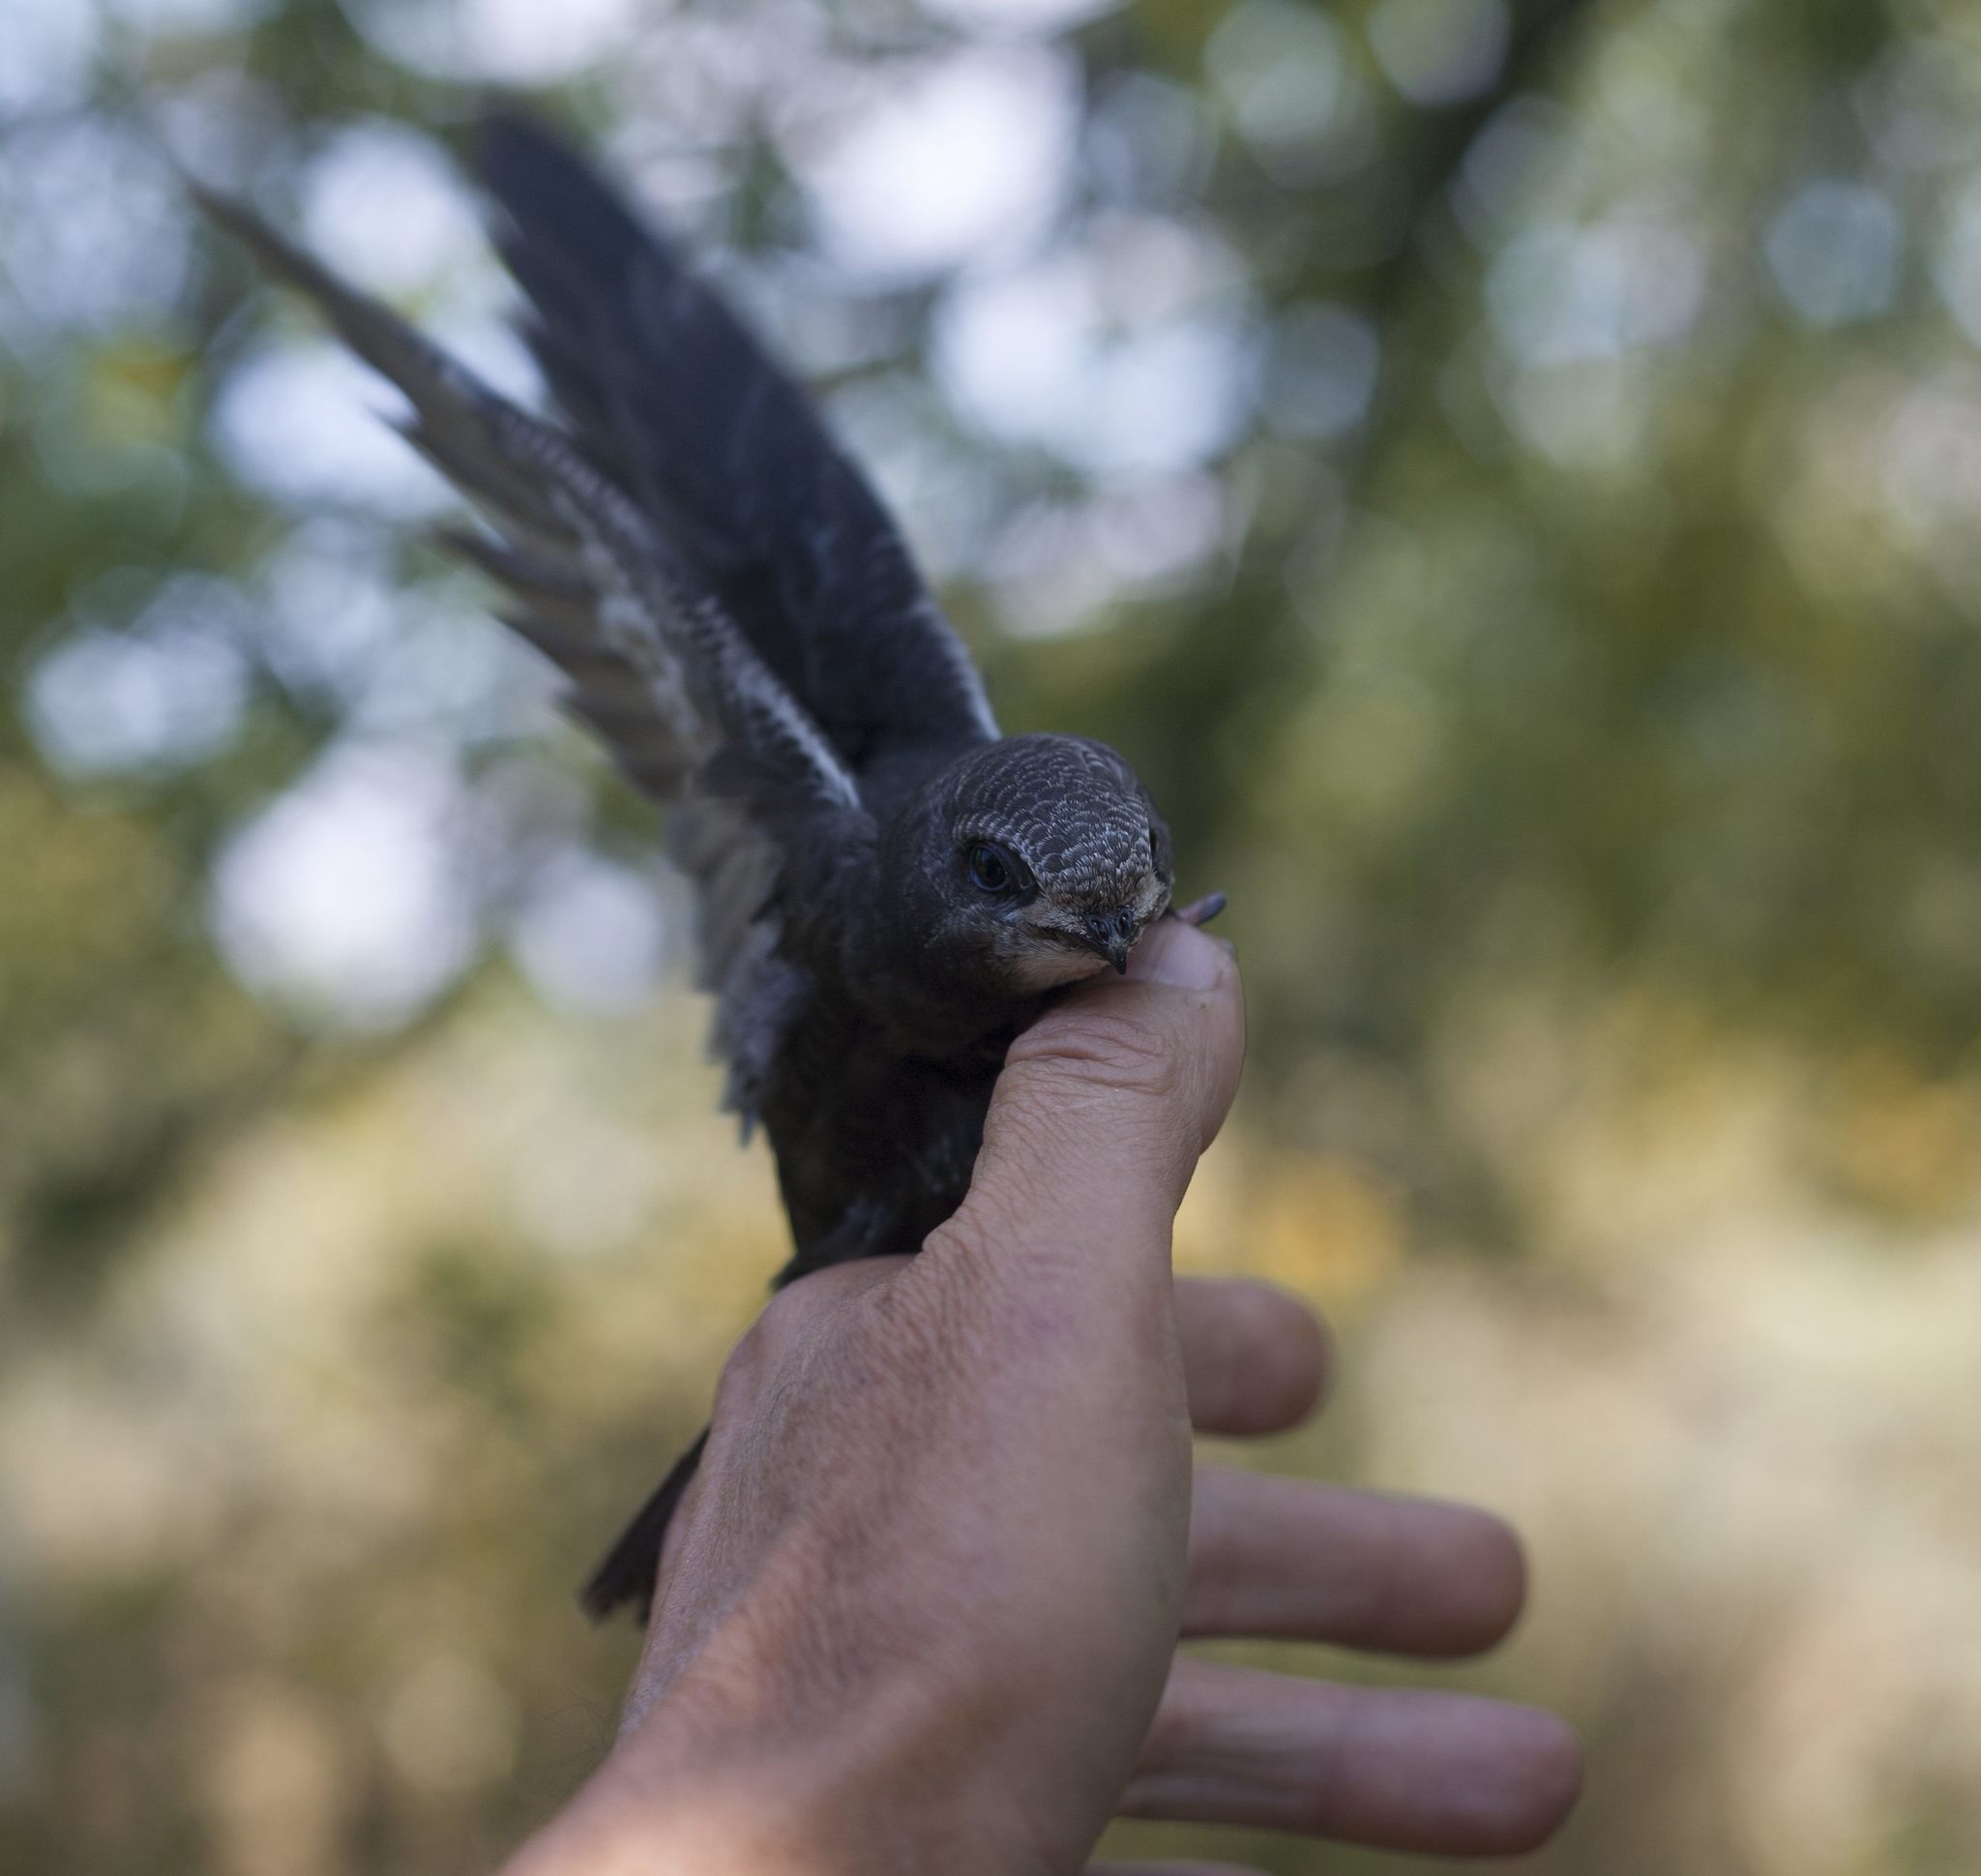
990 868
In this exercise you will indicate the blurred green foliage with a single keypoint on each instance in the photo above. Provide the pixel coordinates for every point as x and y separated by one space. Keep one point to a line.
1513 494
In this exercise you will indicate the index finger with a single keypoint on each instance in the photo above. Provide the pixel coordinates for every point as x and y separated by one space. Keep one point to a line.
1255 1357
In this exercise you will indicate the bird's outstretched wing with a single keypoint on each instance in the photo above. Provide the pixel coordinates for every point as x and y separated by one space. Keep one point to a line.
664 385
656 662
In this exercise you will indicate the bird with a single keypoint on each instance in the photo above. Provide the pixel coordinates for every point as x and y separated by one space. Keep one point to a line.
887 888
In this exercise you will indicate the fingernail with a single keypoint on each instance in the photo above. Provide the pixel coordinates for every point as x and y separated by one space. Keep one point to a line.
1174 953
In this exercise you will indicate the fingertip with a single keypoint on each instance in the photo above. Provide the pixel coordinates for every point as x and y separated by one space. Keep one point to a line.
1172 952
1293 1368
1256 1359
1440 1774
1545 1782
1308 1343
1486 1565
1511 1776
1124 1077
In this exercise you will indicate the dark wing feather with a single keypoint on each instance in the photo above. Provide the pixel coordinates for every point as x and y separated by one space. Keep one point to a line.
661 383
657 666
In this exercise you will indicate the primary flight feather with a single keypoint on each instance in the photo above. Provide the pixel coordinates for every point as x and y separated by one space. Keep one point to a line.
887 888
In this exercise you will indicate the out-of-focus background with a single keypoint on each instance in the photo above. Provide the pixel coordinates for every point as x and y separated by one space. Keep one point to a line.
1509 472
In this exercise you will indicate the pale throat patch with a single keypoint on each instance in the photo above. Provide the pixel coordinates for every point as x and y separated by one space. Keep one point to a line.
1040 967
1034 965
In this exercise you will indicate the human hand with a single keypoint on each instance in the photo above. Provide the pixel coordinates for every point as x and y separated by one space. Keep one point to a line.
920 1610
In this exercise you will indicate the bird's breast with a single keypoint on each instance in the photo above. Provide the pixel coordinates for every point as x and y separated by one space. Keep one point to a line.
859 1127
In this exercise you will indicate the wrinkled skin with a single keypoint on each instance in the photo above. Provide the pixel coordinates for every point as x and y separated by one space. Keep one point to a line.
923 1599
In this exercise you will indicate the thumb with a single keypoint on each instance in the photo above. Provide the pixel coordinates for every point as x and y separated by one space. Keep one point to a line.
1105 1105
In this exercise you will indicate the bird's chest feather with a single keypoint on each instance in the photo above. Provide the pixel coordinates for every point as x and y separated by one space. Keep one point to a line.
875 1145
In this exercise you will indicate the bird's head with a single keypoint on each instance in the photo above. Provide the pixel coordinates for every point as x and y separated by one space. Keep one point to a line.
1034 862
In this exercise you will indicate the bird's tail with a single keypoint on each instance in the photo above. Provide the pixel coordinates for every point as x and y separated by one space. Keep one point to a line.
631 1568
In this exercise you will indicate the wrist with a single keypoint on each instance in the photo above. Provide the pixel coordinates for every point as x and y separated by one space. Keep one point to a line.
628 1833
757 1826
895 1785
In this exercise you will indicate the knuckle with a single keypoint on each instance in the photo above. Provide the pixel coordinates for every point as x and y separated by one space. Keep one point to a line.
785 1318
745 1370
1116 1049
785 1327
827 1332
919 1329
964 1278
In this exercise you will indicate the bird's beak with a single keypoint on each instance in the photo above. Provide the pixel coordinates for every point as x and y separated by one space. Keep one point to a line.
1113 935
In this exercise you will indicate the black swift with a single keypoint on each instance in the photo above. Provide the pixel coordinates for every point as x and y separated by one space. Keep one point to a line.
888 889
